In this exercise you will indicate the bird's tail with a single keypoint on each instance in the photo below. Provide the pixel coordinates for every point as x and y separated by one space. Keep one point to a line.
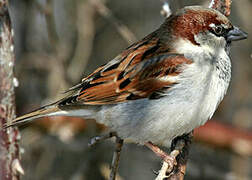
48 110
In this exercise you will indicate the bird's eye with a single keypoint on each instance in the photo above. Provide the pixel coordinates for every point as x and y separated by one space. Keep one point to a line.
219 30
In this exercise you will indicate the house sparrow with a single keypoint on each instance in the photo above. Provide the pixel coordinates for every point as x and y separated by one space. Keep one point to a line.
160 87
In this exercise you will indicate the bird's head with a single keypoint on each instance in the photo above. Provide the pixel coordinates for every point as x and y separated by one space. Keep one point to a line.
202 27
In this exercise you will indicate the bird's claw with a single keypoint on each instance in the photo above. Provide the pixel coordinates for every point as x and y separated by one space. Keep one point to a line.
97 139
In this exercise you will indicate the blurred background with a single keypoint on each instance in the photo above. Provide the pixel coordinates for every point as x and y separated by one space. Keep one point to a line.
57 42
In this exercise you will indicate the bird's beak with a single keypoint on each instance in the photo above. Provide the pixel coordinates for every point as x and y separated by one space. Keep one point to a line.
236 34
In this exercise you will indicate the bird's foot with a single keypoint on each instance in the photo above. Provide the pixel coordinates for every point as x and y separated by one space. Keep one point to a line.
169 158
97 139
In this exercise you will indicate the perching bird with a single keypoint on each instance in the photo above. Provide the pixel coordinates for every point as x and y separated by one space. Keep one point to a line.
160 87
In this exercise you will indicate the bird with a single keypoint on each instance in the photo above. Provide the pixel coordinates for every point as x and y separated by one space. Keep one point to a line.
163 86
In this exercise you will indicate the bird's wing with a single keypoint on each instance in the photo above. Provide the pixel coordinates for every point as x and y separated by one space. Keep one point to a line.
138 72
141 71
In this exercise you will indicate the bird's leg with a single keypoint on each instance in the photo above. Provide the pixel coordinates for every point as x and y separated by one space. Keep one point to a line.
116 157
97 139
176 160
179 150
169 158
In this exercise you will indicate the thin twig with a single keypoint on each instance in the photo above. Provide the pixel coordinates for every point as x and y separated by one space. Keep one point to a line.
116 157
47 11
105 171
85 26
60 51
122 29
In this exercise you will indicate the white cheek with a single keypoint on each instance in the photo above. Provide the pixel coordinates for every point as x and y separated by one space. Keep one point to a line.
210 46
183 46
210 43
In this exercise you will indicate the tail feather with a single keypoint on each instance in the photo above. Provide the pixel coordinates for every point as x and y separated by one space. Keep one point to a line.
41 112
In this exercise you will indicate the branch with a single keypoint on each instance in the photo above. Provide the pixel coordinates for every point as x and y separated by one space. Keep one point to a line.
224 6
60 51
85 33
10 167
180 149
121 28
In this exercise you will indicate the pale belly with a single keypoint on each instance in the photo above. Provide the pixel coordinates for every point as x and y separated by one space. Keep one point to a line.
158 121
186 106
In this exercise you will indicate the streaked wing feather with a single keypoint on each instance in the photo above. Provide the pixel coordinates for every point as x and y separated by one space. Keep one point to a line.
138 72
139 81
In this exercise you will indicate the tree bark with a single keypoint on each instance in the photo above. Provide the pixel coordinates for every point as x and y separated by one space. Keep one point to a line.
10 167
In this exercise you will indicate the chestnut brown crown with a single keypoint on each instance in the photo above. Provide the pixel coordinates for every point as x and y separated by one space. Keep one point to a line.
193 20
